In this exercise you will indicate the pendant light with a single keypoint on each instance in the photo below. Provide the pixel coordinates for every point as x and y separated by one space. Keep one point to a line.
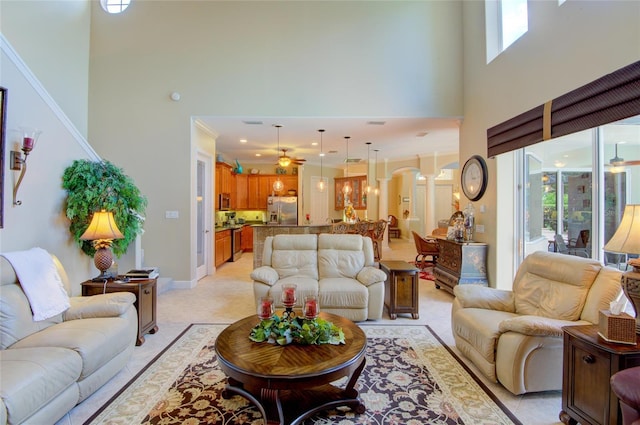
368 188
321 184
278 185
376 191
346 189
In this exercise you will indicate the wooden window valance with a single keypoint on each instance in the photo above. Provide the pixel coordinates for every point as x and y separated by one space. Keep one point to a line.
613 97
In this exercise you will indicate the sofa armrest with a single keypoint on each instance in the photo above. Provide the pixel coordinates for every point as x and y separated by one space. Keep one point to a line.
113 304
265 274
538 325
476 296
370 275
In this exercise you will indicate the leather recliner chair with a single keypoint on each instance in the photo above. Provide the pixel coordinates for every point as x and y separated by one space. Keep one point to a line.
515 337
626 386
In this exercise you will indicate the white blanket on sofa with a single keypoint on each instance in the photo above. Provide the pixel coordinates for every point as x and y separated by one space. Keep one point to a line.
40 282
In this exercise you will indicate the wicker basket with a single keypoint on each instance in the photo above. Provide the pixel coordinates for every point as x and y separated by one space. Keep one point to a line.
619 328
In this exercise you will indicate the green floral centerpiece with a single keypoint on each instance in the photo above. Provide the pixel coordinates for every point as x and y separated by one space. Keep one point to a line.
284 331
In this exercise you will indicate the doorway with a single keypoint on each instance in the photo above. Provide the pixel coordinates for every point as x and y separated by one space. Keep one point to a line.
203 215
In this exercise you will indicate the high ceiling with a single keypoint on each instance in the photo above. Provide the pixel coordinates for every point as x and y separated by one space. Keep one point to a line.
395 138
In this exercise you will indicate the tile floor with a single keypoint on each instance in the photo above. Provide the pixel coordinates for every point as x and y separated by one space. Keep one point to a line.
228 296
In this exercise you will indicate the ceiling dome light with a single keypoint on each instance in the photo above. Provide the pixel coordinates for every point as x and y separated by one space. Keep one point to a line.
284 161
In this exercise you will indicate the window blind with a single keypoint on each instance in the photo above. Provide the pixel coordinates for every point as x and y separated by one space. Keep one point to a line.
613 97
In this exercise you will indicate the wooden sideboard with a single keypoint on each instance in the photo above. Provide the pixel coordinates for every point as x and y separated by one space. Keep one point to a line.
460 263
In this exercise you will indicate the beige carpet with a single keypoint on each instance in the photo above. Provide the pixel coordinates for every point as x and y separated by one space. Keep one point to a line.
410 378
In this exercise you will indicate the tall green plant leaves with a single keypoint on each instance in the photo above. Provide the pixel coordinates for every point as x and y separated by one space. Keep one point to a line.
95 185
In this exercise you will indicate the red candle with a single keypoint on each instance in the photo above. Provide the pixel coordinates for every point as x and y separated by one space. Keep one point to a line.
311 308
27 143
266 309
289 296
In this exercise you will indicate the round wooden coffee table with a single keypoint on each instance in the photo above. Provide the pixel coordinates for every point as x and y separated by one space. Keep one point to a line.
293 382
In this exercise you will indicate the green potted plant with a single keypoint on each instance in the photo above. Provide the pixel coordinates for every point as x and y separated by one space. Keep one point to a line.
95 185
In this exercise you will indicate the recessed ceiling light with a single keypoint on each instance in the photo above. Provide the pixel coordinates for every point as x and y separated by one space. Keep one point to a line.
243 140
314 143
258 154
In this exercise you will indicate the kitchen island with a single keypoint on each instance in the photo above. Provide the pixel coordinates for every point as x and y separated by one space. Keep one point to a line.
261 231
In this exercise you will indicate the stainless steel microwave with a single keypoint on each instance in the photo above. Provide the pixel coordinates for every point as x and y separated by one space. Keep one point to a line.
224 202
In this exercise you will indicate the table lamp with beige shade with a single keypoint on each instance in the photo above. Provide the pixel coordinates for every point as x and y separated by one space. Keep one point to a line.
626 240
102 231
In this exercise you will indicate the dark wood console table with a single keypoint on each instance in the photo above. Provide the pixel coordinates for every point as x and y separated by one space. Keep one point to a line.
460 263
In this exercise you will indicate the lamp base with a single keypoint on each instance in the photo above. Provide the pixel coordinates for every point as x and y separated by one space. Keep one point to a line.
103 259
631 287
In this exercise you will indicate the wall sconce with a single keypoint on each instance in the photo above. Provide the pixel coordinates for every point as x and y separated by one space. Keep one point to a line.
18 163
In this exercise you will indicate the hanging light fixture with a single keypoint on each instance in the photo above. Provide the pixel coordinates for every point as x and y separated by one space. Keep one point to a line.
321 184
376 191
368 188
283 160
346 189
278 185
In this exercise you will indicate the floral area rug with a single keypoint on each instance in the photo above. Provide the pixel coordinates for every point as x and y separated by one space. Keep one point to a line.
410 378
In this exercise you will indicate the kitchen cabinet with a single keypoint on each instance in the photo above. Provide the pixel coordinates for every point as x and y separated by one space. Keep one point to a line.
460 263
589 362
260 187
358 195
223 180
247 239
223 247
233 197
242 191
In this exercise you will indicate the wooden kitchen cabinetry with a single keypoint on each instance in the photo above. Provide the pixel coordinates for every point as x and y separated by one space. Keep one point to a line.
358 196
242 191
589 362
260 187
223 179
223 246
247 239
460 263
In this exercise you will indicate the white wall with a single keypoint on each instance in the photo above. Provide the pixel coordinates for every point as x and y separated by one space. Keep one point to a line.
255 58
566 47
52 37
40 221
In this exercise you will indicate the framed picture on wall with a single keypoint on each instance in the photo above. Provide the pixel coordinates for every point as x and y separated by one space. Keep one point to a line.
3 121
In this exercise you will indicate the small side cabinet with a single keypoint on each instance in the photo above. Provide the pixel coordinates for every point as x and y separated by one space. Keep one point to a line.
146 300
589 362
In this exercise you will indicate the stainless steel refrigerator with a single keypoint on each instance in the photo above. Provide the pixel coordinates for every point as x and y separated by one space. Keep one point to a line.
283 210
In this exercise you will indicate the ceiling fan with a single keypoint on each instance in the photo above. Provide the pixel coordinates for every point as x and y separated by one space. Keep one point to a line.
284 160
616 161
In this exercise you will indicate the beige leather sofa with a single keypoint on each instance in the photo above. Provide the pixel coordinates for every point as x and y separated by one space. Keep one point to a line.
338 268
50 366
515 337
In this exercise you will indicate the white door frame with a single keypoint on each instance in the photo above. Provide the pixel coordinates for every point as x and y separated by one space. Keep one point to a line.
205 268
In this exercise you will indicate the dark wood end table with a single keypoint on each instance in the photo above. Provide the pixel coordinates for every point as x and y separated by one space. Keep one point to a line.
146 300
589 362
291 383
401 288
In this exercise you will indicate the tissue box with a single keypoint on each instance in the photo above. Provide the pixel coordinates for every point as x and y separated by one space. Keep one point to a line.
619 328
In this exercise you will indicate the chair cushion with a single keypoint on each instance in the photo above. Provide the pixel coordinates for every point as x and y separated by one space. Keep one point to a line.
32 377
87 337
304 286
295 255
480 328
342 292
554 285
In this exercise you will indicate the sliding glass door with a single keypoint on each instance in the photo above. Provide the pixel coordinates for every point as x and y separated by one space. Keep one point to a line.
575 188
